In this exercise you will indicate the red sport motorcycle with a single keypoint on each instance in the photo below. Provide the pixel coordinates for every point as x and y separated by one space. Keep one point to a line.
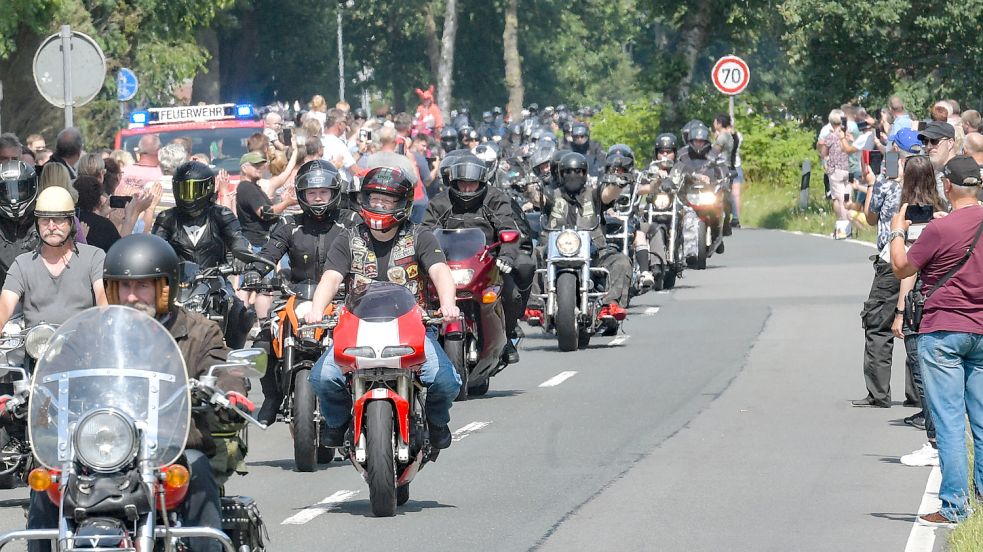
475 342
379 345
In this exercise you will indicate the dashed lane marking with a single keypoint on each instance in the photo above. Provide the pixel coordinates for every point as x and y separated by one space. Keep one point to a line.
558 379
307 514
651 311
468 430
618 341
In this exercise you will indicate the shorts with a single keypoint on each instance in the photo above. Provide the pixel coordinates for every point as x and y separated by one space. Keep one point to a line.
839 184
739 178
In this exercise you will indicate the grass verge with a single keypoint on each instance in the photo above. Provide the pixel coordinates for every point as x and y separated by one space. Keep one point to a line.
968 535
765 205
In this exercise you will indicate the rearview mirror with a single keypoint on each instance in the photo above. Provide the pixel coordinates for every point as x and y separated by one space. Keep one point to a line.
247 363
508 236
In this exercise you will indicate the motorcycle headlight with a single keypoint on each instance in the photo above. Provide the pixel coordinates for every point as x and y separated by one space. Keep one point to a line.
568 243
707 198
462 276
105 440
37 340
662 201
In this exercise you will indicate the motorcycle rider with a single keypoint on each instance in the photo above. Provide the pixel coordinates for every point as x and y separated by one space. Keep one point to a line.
387 247
619 163
699 159
462 119
652 239
581 143
448 139
575 204
306 239
470 202
18 192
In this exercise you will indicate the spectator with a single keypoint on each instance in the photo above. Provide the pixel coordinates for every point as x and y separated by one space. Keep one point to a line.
123 158
254 210
728 143
970 121
170 158
837 167
68 150
110 179
939 140
901 118
428 119
99 230
27 156
955 119
147 168
335 149
92 164
36 142
272 128
10 148
186 143
343 105
42 156
950 338
57 175
318 109
258 142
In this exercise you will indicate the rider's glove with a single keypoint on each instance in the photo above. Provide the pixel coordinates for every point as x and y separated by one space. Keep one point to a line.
251 278
238 400
4 399
505 265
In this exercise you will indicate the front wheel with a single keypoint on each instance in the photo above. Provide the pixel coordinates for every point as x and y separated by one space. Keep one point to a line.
380 466
566 311
304 423
702 248
455 350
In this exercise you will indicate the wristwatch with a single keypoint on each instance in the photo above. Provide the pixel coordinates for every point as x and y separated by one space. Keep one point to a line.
895 234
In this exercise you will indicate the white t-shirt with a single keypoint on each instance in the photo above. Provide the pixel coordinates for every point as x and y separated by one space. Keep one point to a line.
335 146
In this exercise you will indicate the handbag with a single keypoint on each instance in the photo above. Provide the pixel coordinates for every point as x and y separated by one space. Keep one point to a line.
914 304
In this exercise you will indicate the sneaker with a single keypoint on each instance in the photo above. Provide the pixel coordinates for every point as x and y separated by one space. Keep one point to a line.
440 436
613 310
935 519
646 280
925 456
916 421
534 317
269 410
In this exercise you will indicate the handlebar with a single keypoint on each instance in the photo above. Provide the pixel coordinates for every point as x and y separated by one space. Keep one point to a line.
207 391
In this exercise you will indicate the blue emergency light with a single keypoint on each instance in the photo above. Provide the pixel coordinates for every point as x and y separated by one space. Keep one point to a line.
139 117
245 111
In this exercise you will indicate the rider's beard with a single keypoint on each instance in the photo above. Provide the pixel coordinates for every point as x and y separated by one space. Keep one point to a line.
143 307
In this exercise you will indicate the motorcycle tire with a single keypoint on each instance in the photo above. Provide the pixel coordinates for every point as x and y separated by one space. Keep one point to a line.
402 494
455 350
380 464
304 423
566 312
702 249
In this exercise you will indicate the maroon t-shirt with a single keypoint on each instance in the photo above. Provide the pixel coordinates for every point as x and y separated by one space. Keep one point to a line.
957 306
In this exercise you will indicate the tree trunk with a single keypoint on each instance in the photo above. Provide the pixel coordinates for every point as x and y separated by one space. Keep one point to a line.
433 44
692 40
207 84
445 72
513 63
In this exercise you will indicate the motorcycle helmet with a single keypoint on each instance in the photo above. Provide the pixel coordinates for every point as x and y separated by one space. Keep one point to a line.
318 174
467 168
487 117
360 113
497 111
18 189
388 182
620 156
688 127
488 153
555 164
445 164
665 142
194 188
143 257
579 137
540 158
699 134
573 172
55 202
448 139
533 109
467 134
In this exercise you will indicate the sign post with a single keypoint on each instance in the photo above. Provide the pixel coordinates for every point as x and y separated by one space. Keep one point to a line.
731 76
53 68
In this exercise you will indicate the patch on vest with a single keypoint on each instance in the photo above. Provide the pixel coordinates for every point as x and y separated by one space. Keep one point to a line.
397 275
412 272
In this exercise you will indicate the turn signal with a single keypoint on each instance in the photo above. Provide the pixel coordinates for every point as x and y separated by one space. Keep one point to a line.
489 296
40 479
176 476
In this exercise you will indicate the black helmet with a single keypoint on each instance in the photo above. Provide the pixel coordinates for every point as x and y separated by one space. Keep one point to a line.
555 164
445 165
573 172
322 175
360 113
579 129
487 117
665 142
18 189
194 187
394 183
688 127
541 153
448 139
620 156
467 168
497 110
533 108
699 133
467 133
142 257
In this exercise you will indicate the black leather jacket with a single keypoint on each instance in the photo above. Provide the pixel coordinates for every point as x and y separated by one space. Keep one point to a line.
495 214
205 240
16 237
306 241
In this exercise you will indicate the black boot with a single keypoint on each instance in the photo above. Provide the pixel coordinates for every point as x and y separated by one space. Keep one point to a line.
272 395
509 354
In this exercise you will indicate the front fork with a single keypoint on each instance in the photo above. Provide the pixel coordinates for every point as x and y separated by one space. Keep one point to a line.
402 400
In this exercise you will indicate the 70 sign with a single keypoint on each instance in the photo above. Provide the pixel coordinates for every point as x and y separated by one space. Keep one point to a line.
731 75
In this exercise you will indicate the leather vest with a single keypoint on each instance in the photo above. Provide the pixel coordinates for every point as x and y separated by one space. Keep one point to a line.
403 268
587 214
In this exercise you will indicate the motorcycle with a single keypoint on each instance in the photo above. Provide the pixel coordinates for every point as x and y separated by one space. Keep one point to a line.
572 302
666 210
209 292
475 342
707 196
379 344
108 416
620 224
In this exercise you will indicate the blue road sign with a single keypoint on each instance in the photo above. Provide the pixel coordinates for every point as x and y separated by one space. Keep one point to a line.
126 85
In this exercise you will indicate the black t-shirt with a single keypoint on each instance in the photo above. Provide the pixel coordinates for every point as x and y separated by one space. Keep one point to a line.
102 232
427 253
249 199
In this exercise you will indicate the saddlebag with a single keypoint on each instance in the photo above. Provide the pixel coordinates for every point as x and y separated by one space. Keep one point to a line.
242 523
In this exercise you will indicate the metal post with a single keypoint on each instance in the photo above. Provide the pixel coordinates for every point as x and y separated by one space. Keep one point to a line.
66 57
1 103
341 60
731 109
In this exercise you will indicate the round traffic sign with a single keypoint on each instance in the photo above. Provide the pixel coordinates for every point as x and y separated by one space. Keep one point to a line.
88 69
731 75
126 85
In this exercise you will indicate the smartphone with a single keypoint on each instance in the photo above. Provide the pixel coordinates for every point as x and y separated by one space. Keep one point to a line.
919 214
119 202
364 135
891 158
287 136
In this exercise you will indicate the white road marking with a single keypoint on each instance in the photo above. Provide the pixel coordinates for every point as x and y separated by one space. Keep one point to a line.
468 430
307 514
650 311
620 340
922 537
828 237
558 379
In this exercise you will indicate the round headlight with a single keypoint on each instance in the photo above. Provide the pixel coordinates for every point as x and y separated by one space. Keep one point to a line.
37 340
662 201
105 440
568 243
462 276
708 198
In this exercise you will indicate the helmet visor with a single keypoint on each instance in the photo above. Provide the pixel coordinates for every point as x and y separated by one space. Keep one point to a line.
13 192
468 171
191 190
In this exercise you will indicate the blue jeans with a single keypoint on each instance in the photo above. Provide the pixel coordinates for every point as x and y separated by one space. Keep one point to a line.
419 209
952 370
438 375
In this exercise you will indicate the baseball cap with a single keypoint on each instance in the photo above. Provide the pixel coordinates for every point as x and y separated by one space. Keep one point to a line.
252 158
963 170
908 140
935 130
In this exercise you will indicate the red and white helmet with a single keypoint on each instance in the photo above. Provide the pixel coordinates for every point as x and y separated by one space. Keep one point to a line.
392 182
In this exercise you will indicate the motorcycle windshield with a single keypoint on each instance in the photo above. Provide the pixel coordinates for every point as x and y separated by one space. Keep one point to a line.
304 290
460 244
188 271
380 301
110 358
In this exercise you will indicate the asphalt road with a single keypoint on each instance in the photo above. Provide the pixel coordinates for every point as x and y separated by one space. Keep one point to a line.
720 421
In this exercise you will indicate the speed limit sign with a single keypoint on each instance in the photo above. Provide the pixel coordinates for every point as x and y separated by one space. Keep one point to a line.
731 75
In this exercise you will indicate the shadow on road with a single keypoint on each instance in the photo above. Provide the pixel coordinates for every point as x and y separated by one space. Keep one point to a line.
287 464
363 507
905 517
497 394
